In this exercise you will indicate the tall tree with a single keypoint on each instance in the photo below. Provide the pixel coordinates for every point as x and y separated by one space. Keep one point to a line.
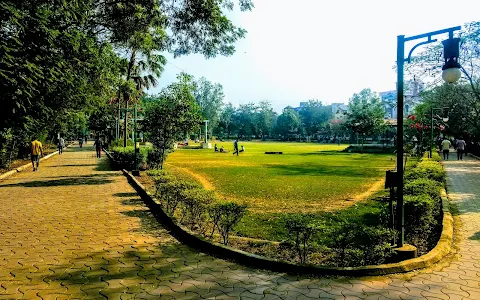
288 123
314 115
210 98
264 119
174 113
365 113
226 119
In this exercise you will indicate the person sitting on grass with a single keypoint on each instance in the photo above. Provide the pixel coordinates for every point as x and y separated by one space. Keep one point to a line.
223 150
243 149
216 148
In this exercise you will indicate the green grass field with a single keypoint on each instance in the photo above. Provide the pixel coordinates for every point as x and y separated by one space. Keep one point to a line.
307 178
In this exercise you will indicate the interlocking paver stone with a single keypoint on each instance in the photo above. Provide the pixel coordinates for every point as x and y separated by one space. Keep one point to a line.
76 229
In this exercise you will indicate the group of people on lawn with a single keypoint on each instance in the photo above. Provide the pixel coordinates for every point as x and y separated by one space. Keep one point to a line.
235 148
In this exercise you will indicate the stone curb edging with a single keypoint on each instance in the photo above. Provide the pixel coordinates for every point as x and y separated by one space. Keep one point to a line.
474 156
21 168
184 235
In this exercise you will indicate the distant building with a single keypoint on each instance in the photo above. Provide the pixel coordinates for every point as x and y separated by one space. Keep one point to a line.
339 110
413 89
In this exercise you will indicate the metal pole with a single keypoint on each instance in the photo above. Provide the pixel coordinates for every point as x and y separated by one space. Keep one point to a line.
135 170
125 134
206 122
431 131
400 210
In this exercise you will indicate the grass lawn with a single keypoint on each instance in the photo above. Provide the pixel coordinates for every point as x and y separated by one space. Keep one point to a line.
307 178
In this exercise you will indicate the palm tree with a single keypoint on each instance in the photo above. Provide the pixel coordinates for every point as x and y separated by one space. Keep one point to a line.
144 74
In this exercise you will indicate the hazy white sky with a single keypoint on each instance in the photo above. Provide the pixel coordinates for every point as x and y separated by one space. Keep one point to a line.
297 50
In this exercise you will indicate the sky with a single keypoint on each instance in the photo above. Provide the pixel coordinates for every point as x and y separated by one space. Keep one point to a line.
297 50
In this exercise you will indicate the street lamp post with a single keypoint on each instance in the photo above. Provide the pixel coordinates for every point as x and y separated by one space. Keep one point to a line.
451 73
432 110
135 170
206 131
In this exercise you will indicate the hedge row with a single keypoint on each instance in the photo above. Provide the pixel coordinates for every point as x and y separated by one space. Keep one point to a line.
346 244
198 209
423 203
349 244
125 156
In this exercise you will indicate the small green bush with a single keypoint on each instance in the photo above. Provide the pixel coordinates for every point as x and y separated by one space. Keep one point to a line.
155 158
170 193
301 229
225 215
119 143
357 244
422 186
421 219
435 156
194 205
427 169
125 156
160 177
156 172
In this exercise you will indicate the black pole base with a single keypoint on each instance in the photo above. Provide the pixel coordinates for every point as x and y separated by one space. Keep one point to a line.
405 252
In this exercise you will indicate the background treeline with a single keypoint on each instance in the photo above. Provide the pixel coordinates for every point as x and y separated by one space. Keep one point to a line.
64 63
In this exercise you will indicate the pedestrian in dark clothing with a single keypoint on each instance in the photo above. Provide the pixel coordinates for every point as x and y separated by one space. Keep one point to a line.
80 142
98 147
460 148
235 147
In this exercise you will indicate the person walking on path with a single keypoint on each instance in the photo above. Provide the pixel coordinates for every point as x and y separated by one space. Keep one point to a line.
460 148
36 152
446 148
98 146
235 147
80 142
61 145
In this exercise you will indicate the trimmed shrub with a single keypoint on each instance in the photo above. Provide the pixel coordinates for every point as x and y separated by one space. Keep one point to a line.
157 172
301 229
119 143
125 156
155 158
160 177
422 186
170 193
225 215
435 156
194 205
427 169
357 244
421 219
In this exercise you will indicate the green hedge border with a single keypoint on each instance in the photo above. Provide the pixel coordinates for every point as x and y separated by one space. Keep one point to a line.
187 237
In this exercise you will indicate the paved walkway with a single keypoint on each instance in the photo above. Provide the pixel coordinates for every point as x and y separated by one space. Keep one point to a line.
75 230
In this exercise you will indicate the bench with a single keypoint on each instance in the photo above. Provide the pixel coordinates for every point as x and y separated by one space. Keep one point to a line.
273 152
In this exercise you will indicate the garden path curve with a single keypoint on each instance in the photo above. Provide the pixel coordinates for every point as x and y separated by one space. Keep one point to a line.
75 229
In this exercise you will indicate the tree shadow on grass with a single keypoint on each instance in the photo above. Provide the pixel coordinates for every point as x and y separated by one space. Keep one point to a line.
324 153
72 181
318 170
